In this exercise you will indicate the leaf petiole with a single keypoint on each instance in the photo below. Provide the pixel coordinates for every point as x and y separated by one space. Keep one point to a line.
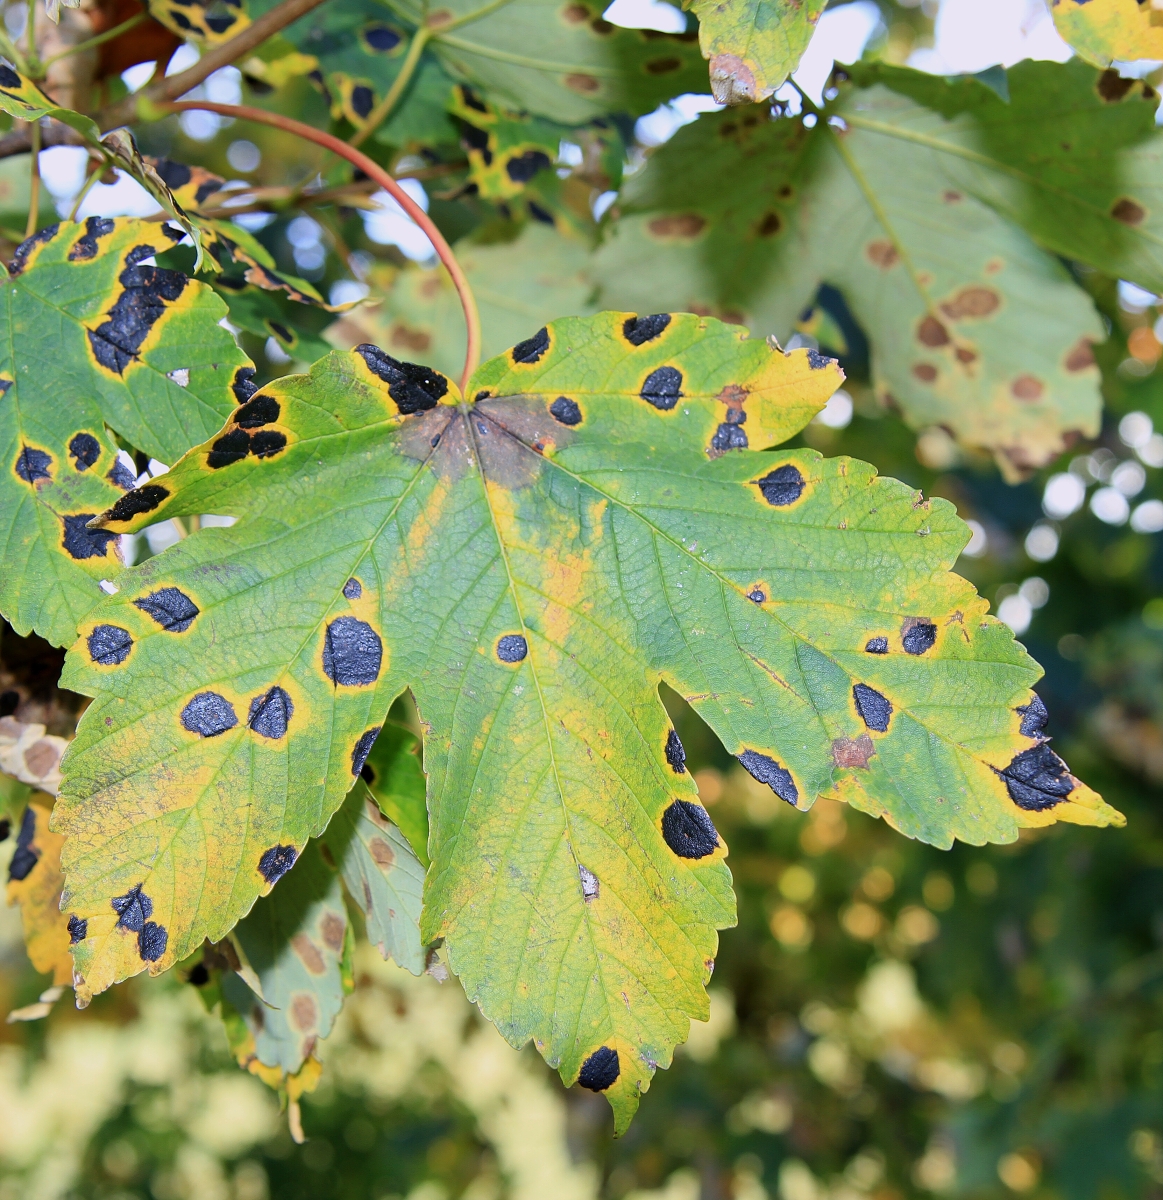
92 178
34 182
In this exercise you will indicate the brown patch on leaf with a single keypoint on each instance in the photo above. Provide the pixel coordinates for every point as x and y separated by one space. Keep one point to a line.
308 953
882 254
973 301
304 1012
994 265
965 355
677 225
1112 87
853 752
587 85
662 66
925 372
930 332
410 339
575 14
733 395
1128 211
732 81
1081 355
333 930
952 197
381 851
1027 387
770 225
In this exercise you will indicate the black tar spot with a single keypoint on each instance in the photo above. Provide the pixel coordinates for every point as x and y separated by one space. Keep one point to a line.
363 100
243 385
199 975
530 350
363 748
276 862
919 637
662 388
133 909
729 436
1034 718
9 78
414 388
600 1070
768 771
270 713
20 255
874 709
208 188
32 464
782 486
675 754
230 448
267 443
109 645
525 166
261 410
209 714
172 609
151 941
876 645
82 542
688 831
473 101
86 245
78 930
477 139
174 174
5 828
121 476
1037 779
147 292
174 233
5 384
25 856
540 214
818 361
512 648
381 38
757 596
140 500
566 411
640 330
85 450
353 589
352 652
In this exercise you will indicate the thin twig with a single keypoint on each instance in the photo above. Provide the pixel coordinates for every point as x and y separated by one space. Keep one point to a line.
373 170
94 175
34 183
107 36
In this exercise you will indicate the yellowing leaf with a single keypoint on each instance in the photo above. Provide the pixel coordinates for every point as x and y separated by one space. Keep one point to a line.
1102 31
208 21
21 98
34 882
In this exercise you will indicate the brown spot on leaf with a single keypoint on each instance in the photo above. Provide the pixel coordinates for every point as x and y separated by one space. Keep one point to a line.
994 265
575 14
1129 211
586 84
973 301
410 339
304 1012
1026 387
381 851
677 225
965 355
925 372
309 954
1081 355
882 254
930 332
732 81
1112 87
952 197
771 224
663 66
785 191
853 752
333 930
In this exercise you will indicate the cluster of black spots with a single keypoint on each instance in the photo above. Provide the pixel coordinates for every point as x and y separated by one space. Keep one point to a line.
9 78
818 361
1034 718
172 609
244 386
140 500
875 710
21 254
133 909
363 100
530 350
362 749
414 388
260 410
5 823
352 652
876 645
730 434
280 330
783 486
472 100
688 831
540 214
601 1070
566 411
662 388
270 713
26 855
208 714
523 167
82 542
234 446
121 476
109 645
768 771
173 232
675 754
381 38
147 291
276 862
353 589
85 450
512 648
86 245
1037 779
640 330
757 596
152 941
919 637
78 929
33 464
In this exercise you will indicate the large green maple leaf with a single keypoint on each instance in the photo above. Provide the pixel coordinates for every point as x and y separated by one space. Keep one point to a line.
532 563
94 338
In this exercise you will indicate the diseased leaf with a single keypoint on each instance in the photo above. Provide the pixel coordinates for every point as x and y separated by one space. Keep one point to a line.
94 336
21 98
381 873
34 882
972 326
754 45
207 21
532 566
396 780
1102 31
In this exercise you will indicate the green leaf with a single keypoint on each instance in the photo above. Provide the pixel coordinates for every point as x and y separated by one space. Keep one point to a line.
532 567
379 868
91 340
396 779
21 98
1103 31
292 946
972 326
754 45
